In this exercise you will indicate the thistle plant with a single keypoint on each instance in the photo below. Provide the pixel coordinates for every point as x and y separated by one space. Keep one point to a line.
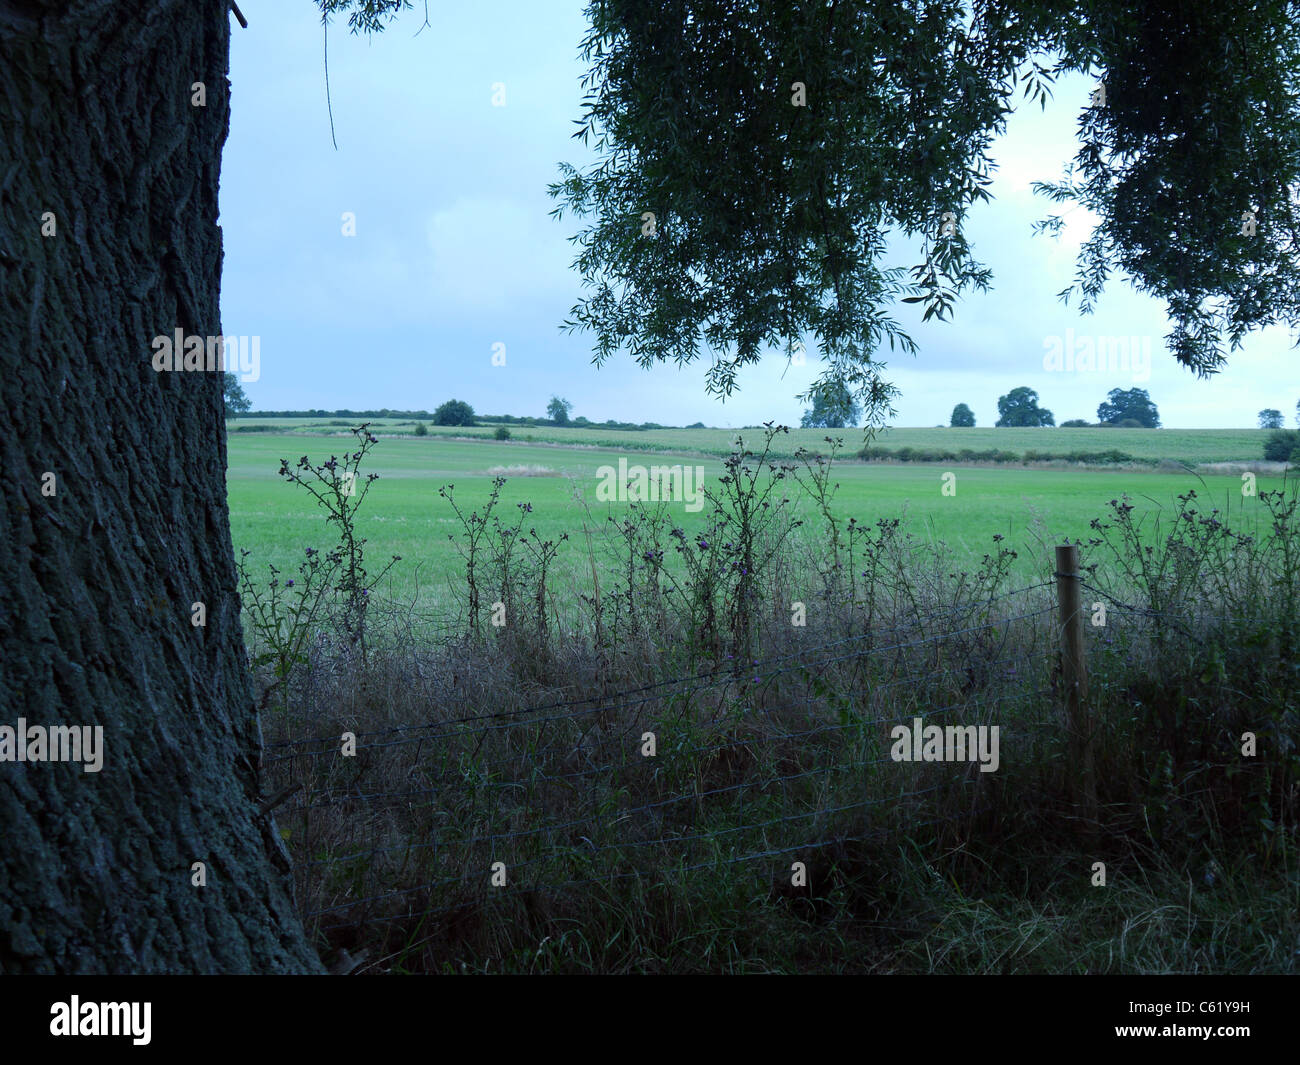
284 615
333 484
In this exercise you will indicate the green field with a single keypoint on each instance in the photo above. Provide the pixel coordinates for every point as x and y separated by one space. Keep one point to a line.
404 514
1175 445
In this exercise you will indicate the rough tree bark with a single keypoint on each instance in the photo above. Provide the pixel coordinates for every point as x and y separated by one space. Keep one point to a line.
97 581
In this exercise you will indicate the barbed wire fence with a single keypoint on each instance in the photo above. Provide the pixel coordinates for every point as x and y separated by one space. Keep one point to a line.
788 757
754 765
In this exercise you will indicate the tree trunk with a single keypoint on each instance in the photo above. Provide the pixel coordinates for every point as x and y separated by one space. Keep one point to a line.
97 580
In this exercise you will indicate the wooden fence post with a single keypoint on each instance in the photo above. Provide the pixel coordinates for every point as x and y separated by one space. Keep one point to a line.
1074 676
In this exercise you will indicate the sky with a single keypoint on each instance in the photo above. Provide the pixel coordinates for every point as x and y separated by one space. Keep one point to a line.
448 135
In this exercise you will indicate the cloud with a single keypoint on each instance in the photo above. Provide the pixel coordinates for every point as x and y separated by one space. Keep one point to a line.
494 255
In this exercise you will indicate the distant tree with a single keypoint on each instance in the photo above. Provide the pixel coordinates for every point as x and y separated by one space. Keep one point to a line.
1282 445
1297 412
454 412
1270 418
558 410
962 417
701 425
1132 404
833 407
502 433
1077 423
1019 407
421 429
236 402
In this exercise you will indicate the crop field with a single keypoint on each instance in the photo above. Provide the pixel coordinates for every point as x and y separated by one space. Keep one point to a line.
557 474
1191 446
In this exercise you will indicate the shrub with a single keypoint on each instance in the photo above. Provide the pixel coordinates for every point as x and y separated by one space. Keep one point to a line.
1077 423
930 454
1109 457
454 412
421 429
502 433
1129 423
1280 445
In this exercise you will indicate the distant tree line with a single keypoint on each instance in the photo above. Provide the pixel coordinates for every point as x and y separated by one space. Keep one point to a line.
454 412
832 409
385 413
1123 408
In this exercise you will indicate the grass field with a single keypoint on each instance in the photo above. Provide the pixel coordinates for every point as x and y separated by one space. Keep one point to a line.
404 514
1175 445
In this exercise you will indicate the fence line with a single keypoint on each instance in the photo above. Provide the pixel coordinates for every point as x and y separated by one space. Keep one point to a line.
727 676
340 798
608 782
334 749
454 863
724 672
688 797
